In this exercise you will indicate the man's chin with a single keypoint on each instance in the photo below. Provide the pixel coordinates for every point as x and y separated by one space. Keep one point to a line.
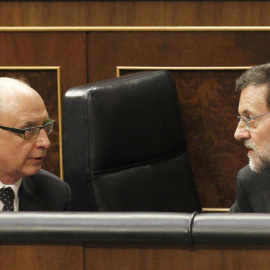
258 167
33 170
254 168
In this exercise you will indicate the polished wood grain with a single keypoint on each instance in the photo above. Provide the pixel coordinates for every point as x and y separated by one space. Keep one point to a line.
133 257
209 108
178 257
134 13
65 50
173 49
41 256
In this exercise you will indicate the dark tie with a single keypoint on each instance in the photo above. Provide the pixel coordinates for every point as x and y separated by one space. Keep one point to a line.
7 197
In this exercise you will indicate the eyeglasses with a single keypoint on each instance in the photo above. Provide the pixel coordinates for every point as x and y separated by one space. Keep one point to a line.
32 133
249 122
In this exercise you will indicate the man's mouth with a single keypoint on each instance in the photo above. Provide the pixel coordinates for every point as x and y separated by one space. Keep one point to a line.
250 151
38 158
249 147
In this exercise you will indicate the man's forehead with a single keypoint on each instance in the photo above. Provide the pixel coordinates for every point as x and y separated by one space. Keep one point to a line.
253 97
32 116
23 117
34 122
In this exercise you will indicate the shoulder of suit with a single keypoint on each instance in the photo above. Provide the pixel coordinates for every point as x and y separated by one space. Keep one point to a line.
44 177
246 171
247 175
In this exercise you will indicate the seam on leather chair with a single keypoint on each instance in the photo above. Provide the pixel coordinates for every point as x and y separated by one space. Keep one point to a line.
191 221
139 163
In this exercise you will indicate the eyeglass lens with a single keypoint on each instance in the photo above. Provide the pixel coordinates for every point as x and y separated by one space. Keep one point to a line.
32 133
246 123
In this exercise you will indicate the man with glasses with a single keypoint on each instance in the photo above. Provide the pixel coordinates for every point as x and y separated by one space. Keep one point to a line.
24 130
253 181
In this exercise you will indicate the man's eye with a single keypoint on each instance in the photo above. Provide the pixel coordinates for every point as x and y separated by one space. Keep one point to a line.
30 130
248 118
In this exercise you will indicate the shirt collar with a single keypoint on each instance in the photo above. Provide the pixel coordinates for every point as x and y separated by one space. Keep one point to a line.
14 186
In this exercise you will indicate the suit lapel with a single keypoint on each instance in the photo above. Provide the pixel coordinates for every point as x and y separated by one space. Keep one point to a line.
28 199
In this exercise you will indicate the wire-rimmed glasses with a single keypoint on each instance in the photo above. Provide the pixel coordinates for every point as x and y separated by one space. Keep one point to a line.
249 122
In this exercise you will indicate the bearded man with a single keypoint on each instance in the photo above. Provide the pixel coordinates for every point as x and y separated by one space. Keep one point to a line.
253 181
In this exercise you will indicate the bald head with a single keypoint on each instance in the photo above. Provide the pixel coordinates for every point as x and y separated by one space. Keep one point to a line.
21 107
14 93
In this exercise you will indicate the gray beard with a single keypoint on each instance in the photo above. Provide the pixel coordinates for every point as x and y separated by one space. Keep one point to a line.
258 166
260 162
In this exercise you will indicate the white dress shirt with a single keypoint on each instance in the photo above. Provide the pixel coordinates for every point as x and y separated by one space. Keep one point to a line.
15 188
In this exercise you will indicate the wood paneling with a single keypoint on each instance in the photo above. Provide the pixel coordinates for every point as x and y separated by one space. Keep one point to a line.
178 257
41 256
133 257
174 49
66 50
209 108
134 13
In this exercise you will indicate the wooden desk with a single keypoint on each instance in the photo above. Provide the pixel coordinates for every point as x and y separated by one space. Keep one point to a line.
132 257
177 257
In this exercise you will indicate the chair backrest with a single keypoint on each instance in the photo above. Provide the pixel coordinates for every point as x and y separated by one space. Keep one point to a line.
124 146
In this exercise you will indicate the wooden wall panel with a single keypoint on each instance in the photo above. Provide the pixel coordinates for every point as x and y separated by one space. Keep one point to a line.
174 49
63 49
41 256
209 108
134 13
57 256
177 257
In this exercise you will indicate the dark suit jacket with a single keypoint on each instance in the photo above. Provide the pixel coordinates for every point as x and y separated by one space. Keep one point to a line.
43 192
253 192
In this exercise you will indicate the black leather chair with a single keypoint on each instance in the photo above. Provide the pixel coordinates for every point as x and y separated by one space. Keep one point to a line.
124 146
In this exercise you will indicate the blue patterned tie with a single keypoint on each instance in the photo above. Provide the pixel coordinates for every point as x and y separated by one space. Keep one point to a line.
7 197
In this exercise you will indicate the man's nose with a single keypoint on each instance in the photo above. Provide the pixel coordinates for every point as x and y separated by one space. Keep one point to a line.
241 132
43 140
